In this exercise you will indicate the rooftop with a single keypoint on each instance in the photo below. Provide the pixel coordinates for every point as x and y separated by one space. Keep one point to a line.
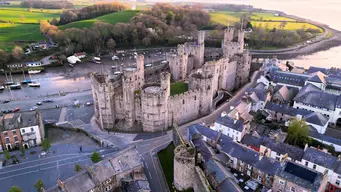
294 152
289 78
285 109
18 120
317 69
320 158
312 95
301 176
227 121
317 119
318 77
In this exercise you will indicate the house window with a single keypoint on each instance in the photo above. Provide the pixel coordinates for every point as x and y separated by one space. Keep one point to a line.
32 129
306 163
6 134
281 182
14 132
23 130
314 166
292 189
16 139
337 182
7 140
339 177
278 159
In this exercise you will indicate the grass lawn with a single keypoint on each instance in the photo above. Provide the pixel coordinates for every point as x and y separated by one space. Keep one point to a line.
223 19
269 17
289 25
17 15
122 16
178 88
13 32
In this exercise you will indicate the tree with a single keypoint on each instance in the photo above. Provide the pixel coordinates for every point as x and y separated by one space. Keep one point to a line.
15 189
78 168
146 41
111 44
95 157
7 155
22 150
283 24
4 58
46 144
17 53
39 185
297 131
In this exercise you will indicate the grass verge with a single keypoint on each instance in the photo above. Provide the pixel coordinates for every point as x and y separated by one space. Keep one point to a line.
178 88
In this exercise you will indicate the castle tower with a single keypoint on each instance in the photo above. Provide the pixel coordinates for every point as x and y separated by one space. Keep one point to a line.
182 60
155 105
201 49
129 87
243 68
140 71
228 36
241 36
184 163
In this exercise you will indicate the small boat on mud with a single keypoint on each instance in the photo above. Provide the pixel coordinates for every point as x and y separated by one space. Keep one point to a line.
15 86
34 84
34 71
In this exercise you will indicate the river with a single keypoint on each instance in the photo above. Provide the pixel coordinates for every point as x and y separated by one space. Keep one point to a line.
324 11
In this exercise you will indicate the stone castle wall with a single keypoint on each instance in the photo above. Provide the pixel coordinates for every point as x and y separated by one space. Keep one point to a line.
184 163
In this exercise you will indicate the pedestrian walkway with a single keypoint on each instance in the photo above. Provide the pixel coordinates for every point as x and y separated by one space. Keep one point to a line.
63 114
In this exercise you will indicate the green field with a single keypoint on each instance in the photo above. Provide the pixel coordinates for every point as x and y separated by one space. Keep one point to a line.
17 15
9 33
178 88
122 16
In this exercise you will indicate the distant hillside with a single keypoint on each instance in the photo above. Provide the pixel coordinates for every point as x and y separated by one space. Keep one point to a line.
121 16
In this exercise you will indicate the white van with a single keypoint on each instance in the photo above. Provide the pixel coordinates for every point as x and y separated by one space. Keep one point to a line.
114 58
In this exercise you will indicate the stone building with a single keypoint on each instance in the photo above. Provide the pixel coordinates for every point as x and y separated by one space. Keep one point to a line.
129 102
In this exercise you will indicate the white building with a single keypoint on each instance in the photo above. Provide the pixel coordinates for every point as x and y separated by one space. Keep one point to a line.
324 163
31 136
233 128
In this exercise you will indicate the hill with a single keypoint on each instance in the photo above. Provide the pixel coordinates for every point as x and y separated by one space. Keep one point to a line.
121 16
20 15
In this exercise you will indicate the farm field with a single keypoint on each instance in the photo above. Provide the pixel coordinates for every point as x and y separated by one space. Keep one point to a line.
16 15
229 18
9 33
122 16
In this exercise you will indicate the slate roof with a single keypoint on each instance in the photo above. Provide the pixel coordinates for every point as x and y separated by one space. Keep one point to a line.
250 140
260 93
201 130
260 86
217 170
138 185
289 78
18 120
203 149
227 121
228 186
318 77
268 165
285 109
320 158
282 148
317 119
311 95
313 133
316 69
301 176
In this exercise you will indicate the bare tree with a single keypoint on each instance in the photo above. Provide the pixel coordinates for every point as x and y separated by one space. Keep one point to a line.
17 53
111 44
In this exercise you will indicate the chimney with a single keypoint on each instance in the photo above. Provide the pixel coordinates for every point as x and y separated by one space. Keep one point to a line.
260 156
237 116
306 146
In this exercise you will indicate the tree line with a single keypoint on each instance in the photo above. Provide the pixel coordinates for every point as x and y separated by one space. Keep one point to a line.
161 25
90 12
46 4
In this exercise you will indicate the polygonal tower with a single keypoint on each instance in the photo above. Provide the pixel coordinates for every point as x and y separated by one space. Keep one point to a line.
140 71
129 87
201 44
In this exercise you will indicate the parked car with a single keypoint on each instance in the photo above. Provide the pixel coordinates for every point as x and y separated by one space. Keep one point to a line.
48 101
39 103
34 108
115 58
6 101
88 103
16 110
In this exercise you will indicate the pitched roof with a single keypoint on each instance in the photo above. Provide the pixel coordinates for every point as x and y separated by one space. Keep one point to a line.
227 121
302 176
311 95
317 69
228 186
203 149
289 78
320 158
313 133
260 93
198 129
268 165
318 77
285 109
316 119
250 140
282 148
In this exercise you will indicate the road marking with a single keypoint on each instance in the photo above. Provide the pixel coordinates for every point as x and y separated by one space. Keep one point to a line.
19 174
150 175
63 114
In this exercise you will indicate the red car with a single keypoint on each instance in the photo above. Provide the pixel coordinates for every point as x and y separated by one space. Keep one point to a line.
16 110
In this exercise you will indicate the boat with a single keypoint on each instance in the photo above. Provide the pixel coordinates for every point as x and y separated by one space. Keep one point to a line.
34 71
15 86
26 81
34 84
9 83
2 88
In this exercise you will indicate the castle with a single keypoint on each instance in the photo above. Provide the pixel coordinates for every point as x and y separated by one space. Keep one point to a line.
128 103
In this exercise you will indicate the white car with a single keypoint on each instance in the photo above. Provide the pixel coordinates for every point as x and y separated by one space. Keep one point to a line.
114 58
34 108
117 73
148 65
164 62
